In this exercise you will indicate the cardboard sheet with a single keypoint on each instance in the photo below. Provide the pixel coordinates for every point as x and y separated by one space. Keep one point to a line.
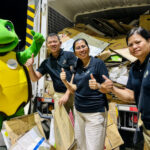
18 126
126 54
63 129
96 46
32 140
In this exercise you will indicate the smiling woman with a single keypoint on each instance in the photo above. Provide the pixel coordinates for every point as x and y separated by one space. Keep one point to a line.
81 50
138 45
138 86
90 103
16 11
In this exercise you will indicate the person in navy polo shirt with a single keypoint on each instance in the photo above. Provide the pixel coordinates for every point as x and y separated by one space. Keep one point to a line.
138 86
52 65
90 103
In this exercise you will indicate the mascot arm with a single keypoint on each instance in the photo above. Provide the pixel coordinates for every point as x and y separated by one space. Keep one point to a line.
38 40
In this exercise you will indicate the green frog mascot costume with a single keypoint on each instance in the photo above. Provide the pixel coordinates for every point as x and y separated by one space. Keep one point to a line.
15 86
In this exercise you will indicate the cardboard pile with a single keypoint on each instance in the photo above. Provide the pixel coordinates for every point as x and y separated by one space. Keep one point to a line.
106 38
24 133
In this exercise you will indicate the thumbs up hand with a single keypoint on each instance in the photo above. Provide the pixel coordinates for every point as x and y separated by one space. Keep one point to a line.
92 83
107 80
107 84
30 61
104 77
63 75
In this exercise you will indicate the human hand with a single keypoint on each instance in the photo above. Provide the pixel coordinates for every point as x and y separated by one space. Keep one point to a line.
63 75
107 84
63 99
30 61
92 83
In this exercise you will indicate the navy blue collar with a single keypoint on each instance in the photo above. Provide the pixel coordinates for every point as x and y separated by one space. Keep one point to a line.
80 63
138 65
61 53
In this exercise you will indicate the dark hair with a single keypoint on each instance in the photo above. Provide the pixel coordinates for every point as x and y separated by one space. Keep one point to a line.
53 34
138 30
81 39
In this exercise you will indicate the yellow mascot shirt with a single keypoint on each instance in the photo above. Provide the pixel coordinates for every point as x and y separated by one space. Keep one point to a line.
13 84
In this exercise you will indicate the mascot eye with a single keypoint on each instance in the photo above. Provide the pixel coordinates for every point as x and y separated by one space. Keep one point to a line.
8 27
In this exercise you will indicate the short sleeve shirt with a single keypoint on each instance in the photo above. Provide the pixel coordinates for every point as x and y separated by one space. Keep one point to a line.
53 66
135 78
86 99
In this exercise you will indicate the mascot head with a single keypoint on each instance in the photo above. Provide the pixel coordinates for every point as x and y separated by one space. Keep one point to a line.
8 38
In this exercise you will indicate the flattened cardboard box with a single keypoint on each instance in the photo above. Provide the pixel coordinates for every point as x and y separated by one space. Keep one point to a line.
18 126
113 138
63 130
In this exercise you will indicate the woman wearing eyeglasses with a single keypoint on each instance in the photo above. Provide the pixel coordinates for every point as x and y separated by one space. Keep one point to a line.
90 103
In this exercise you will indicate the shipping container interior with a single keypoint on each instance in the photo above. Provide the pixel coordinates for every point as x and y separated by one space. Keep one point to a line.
89 12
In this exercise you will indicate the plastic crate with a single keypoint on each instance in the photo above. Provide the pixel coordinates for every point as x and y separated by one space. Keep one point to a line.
127 117
44 106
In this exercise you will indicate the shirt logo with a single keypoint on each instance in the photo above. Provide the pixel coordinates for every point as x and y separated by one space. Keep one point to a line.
87 72
146 74
64 61
12 64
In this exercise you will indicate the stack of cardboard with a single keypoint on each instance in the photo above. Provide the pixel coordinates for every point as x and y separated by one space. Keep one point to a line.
24 133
